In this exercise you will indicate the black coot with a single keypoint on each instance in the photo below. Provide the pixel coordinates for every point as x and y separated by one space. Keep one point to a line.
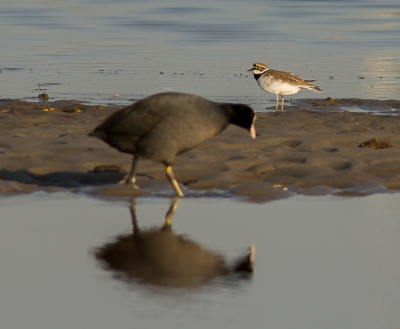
163 125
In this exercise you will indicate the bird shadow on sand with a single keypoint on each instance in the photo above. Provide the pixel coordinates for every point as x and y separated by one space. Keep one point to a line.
99 184
159 257
65 179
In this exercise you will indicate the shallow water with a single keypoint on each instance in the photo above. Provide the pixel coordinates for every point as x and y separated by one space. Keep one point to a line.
94 50
320 262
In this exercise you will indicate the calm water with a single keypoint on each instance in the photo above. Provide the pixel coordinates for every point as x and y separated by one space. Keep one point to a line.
94 49
321 262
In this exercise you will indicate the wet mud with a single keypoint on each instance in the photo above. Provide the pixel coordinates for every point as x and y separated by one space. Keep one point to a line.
310 148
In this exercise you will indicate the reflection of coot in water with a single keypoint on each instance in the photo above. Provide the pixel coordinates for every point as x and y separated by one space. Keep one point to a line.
163 125
159 256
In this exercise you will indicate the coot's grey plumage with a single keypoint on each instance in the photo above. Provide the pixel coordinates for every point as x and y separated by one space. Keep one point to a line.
163 125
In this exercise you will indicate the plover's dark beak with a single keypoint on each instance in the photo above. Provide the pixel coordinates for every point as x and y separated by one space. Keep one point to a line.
250 70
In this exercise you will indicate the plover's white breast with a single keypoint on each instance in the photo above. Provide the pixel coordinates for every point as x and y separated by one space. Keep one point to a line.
277 87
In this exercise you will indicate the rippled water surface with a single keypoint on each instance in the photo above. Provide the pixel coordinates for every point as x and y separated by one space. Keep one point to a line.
321 262
96 50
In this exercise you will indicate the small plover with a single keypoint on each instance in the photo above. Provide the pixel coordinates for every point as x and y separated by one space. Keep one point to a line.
280 82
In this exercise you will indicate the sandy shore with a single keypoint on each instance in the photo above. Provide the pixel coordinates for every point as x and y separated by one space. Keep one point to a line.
44 146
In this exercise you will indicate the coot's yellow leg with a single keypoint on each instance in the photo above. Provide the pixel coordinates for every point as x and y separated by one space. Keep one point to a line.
171 211
174 183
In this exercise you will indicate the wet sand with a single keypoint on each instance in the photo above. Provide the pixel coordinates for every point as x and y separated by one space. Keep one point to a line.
44 147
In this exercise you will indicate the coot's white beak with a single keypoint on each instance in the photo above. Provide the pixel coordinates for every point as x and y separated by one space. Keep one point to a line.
253 133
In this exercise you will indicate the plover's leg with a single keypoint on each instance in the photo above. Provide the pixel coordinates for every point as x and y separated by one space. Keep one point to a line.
174 183
277 102
131 180
283 101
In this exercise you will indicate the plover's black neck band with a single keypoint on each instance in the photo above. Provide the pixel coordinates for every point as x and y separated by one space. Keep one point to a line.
257 76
